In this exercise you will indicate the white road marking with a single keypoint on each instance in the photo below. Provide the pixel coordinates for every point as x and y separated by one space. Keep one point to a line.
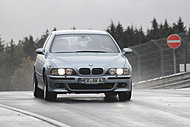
39 117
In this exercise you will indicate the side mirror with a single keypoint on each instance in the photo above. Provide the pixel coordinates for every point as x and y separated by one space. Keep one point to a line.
40 51
126 51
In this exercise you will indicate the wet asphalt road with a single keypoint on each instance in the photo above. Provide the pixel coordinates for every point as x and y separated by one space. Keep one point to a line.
155 108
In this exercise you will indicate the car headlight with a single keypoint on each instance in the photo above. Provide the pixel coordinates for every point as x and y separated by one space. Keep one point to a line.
126 71
118 71
62 71
112 71
69 71
54 72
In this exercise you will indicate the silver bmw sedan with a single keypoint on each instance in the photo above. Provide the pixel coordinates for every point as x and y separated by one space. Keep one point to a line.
82 61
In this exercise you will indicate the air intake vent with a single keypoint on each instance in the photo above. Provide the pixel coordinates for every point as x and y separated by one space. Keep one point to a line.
84 71
91 86
97 71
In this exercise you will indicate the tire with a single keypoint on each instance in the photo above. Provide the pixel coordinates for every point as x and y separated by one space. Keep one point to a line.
48 96
125 96
109 97
38 93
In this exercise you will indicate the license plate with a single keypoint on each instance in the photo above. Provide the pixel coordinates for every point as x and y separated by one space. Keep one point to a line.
91 80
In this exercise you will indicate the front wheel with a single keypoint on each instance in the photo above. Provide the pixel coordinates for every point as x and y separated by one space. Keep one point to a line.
109 97
48 96
124 96
38 93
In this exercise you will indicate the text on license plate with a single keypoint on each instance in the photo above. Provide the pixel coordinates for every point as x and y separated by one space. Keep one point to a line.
91 80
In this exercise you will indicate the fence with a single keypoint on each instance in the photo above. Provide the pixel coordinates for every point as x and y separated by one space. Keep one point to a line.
155 59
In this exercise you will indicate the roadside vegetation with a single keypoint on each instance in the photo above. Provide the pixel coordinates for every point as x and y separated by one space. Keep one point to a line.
17 58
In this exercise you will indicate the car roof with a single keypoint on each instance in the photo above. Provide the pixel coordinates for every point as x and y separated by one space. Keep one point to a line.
79 32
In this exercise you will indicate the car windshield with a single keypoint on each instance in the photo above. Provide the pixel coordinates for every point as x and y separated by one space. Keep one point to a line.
83 43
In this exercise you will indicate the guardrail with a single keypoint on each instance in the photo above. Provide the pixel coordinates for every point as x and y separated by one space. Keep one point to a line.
176 81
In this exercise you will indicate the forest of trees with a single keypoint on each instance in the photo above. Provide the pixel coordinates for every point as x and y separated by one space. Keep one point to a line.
17 58
134 36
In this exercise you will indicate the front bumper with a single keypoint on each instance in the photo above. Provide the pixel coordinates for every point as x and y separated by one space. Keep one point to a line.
112 84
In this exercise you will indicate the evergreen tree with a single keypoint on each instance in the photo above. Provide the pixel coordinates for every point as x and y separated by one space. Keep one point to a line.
161 30
148 35
9 65
1 45
129 37
119 35
154 32
29 47
141 36
12 54
22 76
154 25
112 30
42 40
174 29
180 26
166 29
1 61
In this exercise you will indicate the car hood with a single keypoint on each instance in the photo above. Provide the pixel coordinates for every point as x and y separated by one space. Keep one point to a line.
80 60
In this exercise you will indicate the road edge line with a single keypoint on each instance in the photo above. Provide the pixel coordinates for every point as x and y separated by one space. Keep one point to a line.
34 115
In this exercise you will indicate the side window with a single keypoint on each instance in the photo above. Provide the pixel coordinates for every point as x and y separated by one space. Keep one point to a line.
47 44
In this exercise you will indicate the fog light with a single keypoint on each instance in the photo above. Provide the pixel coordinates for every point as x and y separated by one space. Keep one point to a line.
58 85
122 85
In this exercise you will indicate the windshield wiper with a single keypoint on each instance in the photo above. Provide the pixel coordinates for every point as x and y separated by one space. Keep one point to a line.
83 51
92 51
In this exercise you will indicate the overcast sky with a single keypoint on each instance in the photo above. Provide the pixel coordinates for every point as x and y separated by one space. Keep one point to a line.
20 18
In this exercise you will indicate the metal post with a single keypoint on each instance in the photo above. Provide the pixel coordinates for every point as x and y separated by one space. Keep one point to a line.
186 51
174 57
139 67
186 55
